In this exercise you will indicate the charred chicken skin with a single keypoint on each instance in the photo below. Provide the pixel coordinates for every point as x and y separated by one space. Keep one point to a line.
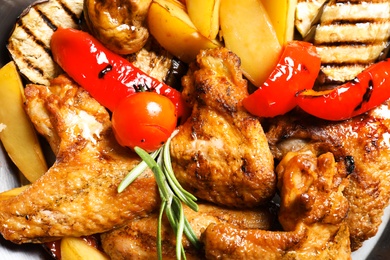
220 153
78 195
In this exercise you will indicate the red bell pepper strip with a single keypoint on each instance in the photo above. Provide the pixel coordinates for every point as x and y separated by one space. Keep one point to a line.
368 90
296 70
107 76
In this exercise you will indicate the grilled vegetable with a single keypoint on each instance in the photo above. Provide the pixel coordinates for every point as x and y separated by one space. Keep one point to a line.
29 43
172 27
18 137
297 70
368 90
350 35
75 248
248 32
119 25
105 75
13 192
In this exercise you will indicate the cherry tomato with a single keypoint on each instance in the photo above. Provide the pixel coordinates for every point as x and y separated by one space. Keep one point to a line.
369 89
145 119
296 70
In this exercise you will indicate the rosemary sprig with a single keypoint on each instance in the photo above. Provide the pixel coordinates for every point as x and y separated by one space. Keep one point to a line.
172 195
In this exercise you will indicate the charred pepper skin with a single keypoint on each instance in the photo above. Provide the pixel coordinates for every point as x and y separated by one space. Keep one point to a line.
107 76
368 90
297 69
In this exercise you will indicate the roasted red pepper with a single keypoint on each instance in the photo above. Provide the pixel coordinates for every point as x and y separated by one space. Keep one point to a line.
297 70
368 90
108 77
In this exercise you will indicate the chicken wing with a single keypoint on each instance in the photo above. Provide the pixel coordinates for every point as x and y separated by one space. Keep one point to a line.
77 196
138 239
362 144
220 153
313 211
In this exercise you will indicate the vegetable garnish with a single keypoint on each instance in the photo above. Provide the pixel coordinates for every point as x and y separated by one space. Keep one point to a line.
297 69
368 90
145 119
107 76
172 195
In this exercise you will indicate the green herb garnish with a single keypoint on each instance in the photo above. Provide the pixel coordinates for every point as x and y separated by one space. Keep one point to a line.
172 195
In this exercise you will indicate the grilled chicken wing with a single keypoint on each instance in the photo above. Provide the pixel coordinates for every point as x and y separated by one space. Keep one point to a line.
138 239
313 211
77 196
220 153
362 144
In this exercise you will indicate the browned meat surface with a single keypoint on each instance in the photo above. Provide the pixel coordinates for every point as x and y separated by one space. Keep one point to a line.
138 239
119 25
362 144
313 211
220 153
77 196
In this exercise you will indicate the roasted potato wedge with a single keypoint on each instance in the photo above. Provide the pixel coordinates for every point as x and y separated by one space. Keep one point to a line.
18 134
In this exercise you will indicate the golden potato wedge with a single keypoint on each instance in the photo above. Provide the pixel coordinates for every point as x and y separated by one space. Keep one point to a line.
171 26
282 16
12 193
248 32
18 134
205 16
73 248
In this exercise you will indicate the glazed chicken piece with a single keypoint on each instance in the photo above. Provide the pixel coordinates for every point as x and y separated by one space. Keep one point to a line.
313 211
119 25
78 195
362 144
138 239
220 153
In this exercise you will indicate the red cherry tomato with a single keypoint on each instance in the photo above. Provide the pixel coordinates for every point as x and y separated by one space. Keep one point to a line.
368 90
296 70
145 119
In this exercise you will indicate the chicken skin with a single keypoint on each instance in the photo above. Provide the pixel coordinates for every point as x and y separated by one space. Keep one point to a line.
362 144
78 195
137 240
220 153
313 212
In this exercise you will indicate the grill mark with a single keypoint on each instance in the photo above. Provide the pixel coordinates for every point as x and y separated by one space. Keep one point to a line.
345 64
46 19
366 96
30 65
25 61
74 16
31 34
360 44
354 2
354 21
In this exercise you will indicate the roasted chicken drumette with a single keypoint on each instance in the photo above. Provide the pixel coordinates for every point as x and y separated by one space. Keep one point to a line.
78 195
220 153
313 211
362 144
